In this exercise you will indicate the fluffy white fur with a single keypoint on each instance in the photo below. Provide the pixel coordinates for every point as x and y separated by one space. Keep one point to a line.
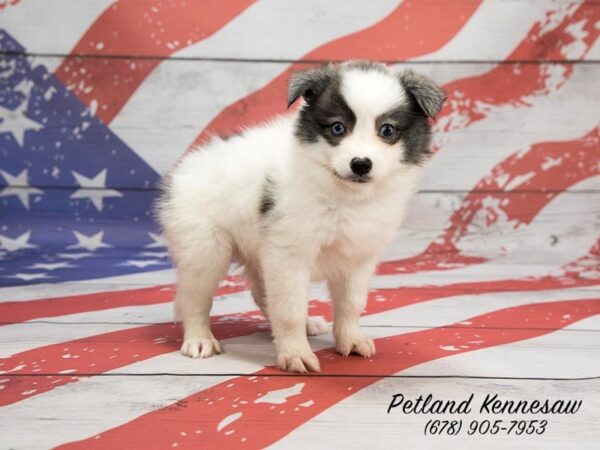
321 228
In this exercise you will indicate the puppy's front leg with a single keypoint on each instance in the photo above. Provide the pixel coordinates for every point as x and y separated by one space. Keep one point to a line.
349 295
287 281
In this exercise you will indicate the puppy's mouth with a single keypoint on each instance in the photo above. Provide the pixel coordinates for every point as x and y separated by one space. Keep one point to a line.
352 178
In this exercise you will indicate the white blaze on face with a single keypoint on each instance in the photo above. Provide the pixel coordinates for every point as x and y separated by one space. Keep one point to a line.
369 94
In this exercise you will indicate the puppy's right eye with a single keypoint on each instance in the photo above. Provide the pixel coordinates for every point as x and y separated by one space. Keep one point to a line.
337 129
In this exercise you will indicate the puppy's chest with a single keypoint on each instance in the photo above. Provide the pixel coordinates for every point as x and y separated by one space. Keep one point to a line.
353 233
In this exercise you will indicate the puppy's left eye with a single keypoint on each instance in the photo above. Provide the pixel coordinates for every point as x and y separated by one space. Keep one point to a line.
387 131
337 129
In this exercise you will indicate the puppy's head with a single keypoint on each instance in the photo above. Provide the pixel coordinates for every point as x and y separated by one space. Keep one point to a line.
362 120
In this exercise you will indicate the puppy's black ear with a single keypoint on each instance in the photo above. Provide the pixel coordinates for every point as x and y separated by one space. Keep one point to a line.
428 95
308 83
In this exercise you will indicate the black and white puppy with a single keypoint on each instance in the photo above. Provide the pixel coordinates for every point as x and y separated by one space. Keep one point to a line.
314 195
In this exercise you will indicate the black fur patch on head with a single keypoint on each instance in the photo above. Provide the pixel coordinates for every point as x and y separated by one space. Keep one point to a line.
325 105
412 129
267 199
429 96
316 119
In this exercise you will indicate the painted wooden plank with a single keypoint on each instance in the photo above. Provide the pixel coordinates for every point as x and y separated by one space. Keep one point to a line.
73 288
257 31
541 244
97 393
527 357
438 310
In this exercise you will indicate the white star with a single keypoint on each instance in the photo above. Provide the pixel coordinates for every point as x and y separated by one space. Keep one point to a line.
75 255
141 264
16 123
12 245
28 276
159 241
155 254
52 266
19 187
94 189
90 243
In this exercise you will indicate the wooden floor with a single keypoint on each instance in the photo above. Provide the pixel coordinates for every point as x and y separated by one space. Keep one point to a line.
489 294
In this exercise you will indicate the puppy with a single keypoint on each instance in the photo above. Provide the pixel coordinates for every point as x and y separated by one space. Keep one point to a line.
311 196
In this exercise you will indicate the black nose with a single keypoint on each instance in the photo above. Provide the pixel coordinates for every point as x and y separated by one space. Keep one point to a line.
361 166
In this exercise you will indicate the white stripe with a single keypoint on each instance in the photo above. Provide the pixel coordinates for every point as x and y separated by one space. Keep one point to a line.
448 310
51 27
109 284
96 404
573 354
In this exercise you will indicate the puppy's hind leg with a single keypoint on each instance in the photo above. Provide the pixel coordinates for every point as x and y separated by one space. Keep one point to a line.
198 278
257 286
316 325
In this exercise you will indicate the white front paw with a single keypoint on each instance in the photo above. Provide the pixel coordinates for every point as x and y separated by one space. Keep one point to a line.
350 339
200 347
297 359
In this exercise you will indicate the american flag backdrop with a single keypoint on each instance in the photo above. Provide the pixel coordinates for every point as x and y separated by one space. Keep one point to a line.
491 286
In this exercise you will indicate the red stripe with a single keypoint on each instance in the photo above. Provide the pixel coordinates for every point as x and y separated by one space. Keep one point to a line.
575 161
262 424
516 84
412 29
104 352
21 311
97 353
5 3
131 27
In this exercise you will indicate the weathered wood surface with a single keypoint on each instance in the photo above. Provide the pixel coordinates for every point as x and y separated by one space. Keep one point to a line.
491 286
